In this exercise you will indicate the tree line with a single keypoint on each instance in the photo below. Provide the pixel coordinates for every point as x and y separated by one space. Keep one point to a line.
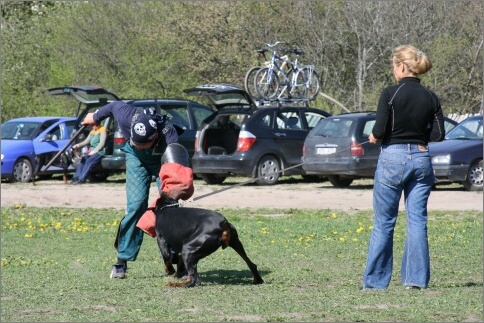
147 49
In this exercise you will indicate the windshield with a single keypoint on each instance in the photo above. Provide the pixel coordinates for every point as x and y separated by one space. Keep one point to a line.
20 130
467 129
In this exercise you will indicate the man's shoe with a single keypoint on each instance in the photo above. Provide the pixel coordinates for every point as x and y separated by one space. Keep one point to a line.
119 271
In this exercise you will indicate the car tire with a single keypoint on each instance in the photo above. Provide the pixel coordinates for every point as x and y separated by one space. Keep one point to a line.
213 179
23 171
268 165
474 177
338 181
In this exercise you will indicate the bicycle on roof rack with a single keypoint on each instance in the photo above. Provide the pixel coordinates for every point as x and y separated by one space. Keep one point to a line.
250 75
299 82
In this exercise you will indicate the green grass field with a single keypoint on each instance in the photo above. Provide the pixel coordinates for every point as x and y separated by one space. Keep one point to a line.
56 262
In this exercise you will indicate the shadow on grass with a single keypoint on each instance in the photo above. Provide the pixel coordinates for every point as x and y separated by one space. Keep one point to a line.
468 284
229 277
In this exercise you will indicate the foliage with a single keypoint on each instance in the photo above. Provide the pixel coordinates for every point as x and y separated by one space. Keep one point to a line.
56 262
159 48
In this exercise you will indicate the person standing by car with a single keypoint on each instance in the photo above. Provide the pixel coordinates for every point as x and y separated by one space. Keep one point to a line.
96 141
151 150
408 116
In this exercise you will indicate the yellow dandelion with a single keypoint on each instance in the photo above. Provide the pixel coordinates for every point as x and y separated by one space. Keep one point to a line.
28 235
342 239
359 230
333 215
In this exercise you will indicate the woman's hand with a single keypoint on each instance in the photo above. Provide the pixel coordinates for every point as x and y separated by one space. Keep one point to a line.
372 139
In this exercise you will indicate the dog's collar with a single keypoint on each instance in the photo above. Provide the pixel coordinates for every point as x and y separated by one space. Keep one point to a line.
154 208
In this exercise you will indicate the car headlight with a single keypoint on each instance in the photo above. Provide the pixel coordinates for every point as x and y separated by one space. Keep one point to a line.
441 160
2 156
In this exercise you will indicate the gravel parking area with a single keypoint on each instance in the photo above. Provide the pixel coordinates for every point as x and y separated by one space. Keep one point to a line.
291 193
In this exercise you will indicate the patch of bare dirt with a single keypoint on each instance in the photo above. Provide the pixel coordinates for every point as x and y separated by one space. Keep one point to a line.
297 195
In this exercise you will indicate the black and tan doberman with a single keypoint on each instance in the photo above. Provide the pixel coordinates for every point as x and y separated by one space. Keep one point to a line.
193 234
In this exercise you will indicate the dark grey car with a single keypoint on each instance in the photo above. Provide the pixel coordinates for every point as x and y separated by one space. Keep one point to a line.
185 114
243 139
338 148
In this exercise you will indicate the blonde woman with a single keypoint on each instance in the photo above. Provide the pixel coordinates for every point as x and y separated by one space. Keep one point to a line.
406 115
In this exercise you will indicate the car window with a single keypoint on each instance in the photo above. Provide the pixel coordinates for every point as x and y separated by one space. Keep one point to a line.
178 115
467 129
70 126
19 130
265 121
201 112
313 119
288 120
367 129
335 128
55 133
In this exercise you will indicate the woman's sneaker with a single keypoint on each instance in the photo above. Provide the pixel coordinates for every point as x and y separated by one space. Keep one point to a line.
119 271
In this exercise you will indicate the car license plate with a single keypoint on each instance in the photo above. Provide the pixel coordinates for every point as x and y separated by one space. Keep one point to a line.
325 150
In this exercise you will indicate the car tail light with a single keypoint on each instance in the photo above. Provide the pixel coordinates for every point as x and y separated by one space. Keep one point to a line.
197 145
118 138
246 140
357 149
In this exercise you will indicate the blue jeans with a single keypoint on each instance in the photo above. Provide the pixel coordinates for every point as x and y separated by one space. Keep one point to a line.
85 165
141 165
401 167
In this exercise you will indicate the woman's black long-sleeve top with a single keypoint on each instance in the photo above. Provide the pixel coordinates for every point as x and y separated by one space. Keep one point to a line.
408 112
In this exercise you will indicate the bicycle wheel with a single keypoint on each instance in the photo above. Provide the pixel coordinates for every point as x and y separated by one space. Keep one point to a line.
249 82
312 86
266 83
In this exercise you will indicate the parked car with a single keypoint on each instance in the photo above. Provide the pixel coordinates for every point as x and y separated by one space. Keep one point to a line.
185 114
338 148
459 157
243 139
28 144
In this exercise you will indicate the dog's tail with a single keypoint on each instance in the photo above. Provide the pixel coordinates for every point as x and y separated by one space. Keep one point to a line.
225 234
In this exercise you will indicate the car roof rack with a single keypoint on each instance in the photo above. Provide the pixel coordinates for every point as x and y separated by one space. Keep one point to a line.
280 101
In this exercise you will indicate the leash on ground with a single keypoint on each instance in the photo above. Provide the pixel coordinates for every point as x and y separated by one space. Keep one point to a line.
190 200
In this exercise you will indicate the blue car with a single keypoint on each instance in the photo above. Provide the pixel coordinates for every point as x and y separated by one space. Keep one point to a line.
28 144
458 159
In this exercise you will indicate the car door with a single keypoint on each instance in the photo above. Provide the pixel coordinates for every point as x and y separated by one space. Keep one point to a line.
48 143
289 135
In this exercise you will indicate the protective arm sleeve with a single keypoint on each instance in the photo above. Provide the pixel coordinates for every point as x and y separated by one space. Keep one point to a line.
177 182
